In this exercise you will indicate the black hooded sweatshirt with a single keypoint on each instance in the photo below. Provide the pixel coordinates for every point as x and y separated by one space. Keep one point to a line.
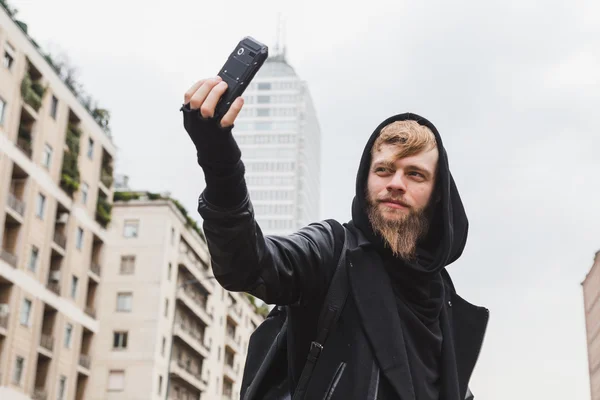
417 285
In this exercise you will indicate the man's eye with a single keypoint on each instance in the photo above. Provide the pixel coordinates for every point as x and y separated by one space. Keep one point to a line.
417 174
381 169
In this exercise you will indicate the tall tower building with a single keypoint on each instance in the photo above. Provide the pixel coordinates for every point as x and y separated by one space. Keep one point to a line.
279 135
56 161
168 329
591 300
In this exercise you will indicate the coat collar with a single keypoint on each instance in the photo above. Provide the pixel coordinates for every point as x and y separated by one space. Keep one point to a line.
376 304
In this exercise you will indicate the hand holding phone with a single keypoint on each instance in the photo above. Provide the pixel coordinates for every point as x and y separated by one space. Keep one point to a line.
220 97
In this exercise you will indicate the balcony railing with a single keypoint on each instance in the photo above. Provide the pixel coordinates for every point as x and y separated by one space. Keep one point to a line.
47 342
24 146
60 239
85 361
16 204
54 287
95 268
106 178
196 334
90 311
39 394
9 257
4 322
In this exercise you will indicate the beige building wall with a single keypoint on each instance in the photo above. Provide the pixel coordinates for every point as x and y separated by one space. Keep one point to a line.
51 252
186 336
591 297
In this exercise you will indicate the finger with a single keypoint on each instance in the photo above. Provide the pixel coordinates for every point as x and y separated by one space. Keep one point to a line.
200 95
229 118
208 106
190 92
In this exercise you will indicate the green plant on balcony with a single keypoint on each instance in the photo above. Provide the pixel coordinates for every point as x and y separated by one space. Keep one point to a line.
32 92
125 196
102 117
69 180
103 211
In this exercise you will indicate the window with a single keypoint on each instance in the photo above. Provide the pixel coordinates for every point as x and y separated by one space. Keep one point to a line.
169 271
130 229
264 86
25 312
264 99
172 236
159 384
263 125
90 152
18 373
62 387
116 380
74 282
2 110
53 107
124 301
33 258
127 265
219 353
164 346
9 57
263 112
47 156
40 205
79 239
84 192
166 307
120 340
68 335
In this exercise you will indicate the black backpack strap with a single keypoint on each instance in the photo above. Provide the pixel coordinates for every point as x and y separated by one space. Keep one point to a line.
330 313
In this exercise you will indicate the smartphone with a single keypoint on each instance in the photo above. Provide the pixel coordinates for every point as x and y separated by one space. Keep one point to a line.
239 69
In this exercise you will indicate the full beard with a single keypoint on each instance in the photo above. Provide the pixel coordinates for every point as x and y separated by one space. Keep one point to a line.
401 234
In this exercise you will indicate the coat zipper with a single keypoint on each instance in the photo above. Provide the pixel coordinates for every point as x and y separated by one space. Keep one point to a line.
335 380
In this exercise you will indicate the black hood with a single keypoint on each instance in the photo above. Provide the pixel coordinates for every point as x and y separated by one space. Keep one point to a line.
448 231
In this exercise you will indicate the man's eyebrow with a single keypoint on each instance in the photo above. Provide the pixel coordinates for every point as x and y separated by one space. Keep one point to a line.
390 164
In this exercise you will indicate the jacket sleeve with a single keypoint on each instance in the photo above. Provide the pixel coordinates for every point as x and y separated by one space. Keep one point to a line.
281 270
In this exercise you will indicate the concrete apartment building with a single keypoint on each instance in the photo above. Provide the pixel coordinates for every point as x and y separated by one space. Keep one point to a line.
591 299
168 330
55 194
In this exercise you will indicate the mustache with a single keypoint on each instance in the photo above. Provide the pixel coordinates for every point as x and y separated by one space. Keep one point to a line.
393 199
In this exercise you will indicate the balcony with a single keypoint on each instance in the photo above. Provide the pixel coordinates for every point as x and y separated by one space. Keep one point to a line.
91 311
24 146
39 394
60 240
193 378
193 338
47 342
195 303
9 257
54 287
95 269
4 324
232 343
231 372
15 204
235 313
106 179
85 361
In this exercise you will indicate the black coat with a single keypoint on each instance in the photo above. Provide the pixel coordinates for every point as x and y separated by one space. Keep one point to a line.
366 345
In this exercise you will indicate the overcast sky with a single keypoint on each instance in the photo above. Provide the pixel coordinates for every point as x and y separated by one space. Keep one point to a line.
513 87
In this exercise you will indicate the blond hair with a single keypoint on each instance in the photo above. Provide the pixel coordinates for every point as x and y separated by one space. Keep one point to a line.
409 137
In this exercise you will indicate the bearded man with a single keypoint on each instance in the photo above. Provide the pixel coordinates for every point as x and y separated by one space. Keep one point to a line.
403 332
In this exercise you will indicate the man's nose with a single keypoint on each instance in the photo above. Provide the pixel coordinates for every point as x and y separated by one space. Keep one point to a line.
397 183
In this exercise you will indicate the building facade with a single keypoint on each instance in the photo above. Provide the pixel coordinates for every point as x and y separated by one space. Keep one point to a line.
591 299
168 329
279 135
55 194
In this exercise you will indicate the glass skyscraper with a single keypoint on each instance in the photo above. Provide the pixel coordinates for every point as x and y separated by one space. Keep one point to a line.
279 136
